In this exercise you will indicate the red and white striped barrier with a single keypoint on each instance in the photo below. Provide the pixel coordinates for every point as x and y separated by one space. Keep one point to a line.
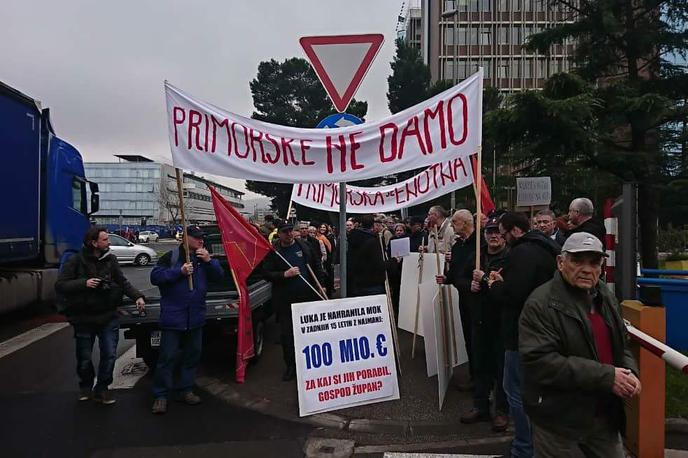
611 225
672 357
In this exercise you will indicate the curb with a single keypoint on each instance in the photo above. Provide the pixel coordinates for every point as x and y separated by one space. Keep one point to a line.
676 425
405 428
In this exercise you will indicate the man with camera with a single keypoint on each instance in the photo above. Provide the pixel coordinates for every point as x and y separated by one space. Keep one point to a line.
91 284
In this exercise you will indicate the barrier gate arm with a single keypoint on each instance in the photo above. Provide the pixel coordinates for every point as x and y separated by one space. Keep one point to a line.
672 357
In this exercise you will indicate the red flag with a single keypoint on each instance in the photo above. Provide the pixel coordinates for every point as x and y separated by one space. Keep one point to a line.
487 206
245 248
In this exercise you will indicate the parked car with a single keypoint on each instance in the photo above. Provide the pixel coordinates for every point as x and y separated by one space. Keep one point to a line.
148 236
221 310
128 252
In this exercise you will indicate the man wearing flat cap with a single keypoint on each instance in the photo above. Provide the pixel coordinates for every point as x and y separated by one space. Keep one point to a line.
577 366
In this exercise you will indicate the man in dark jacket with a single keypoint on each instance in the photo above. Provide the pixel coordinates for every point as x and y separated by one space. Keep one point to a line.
530 263
487 349
288 275
581 219
182 316
577 367
418 237
91 283
366 259
460 258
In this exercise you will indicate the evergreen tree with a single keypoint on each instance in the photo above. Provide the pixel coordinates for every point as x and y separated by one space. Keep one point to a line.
627 54
410 78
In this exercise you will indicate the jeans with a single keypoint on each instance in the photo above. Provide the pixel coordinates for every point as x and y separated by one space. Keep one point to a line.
108 337
190 343
522 445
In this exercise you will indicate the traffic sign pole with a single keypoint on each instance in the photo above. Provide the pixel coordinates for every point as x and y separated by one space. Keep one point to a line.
342 240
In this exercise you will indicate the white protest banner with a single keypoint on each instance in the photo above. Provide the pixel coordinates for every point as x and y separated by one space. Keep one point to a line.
205 138
435 181
344 353
533 191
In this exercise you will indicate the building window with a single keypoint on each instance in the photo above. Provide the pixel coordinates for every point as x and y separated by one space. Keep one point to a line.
516 35
527 5
503 70
503 36
487 69
528 68
516 68
485 36
449 5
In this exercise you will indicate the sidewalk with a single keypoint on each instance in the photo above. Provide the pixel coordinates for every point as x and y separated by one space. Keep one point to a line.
413 417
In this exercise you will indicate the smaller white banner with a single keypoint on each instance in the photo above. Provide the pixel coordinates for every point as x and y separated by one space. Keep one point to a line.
344 353
400 247
533 191
435 181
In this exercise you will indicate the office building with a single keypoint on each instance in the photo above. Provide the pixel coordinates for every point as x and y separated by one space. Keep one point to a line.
459 36
137 192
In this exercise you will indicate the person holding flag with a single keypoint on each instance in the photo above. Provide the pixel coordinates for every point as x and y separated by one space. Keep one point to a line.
288 267
182 316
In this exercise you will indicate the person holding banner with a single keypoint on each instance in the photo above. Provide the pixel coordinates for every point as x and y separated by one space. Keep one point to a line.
288 271
578 369
437 217
487 345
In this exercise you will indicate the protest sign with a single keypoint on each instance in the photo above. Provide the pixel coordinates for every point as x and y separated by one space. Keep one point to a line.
400 247
205 138
435 181
533 191
344 353
408 295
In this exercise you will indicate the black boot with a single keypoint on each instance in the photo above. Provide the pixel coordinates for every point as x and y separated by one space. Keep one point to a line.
289 374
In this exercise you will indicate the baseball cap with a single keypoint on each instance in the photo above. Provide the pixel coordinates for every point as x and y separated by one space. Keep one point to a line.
284 226
195 231
581 242
492 223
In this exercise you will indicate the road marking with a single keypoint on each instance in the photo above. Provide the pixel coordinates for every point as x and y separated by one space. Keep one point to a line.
9 346
128 370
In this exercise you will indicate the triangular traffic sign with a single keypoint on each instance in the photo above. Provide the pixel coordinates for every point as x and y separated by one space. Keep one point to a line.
341 62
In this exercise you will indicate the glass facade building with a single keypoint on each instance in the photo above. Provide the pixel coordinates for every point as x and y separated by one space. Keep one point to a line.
138 192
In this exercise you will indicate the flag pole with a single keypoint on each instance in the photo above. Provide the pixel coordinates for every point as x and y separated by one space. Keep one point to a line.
390 308
478 204
322 290
443 328
180 191
420 278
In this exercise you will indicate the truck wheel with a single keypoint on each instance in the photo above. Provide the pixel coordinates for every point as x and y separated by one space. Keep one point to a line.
148 353
258 340
142 260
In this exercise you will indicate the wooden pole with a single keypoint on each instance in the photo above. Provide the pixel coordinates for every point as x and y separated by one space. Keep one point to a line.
322 290
291 202
180 191
420 278
443 328
478 204
390 308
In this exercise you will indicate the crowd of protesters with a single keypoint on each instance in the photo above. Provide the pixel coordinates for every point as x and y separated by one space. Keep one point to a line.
544 335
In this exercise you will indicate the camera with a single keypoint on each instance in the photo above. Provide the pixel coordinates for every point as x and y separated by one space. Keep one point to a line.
104 284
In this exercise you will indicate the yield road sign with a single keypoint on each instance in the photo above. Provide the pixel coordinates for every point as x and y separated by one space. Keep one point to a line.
341 62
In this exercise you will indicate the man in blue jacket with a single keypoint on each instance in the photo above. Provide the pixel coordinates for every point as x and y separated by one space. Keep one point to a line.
182 316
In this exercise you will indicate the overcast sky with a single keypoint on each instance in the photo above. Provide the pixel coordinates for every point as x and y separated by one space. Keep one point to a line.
100 66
